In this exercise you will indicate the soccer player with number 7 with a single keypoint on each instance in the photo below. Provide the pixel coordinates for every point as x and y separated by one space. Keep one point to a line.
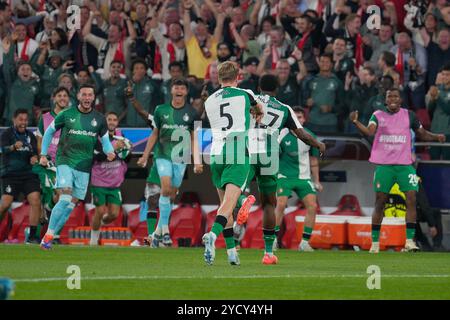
391 152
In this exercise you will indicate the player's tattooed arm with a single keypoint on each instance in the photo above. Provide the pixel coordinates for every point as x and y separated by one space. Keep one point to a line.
309 139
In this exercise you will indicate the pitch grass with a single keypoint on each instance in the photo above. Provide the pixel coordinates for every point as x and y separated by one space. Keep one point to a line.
144 273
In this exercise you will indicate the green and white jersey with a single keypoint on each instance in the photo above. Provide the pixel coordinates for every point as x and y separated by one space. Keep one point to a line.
294 156
277 116
79 134
175 126
228 112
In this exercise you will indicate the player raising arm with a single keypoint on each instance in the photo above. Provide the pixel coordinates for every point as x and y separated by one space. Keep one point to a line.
391 152
172 122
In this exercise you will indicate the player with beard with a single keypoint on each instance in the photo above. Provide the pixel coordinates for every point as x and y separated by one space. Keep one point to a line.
80 128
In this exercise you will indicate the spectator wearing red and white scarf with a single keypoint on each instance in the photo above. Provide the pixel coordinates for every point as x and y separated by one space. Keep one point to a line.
26 46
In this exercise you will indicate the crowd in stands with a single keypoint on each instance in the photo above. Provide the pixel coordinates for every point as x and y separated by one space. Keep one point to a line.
328 54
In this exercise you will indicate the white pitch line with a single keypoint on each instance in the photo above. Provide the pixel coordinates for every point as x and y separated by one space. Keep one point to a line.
235 277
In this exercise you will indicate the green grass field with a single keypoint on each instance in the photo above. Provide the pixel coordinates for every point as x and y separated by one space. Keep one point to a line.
143 273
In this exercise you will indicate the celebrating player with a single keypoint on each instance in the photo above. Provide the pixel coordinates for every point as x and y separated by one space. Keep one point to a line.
277 116
80 127
297 161
229 111
391 152
47 176
107 177
172 122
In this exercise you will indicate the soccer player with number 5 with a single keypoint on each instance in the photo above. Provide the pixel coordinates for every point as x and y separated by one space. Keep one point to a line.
391 152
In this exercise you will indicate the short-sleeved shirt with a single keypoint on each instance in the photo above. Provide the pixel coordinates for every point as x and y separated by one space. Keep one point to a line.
228 112
175 127
79 135
294 156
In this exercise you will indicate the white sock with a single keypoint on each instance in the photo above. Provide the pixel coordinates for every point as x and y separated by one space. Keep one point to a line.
158 231
50 232
233 250
165 229
95 234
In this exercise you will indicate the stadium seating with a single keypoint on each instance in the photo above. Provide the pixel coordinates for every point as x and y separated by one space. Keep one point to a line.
5 225
253 237
19 218
119 222
186 224
210 217
138 228
77 219
348 206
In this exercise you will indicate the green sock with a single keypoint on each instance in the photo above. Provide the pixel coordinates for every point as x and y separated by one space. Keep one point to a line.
38 230
307 231
410 230
151 221
229 239
219 225
376 232
269 238
217 228
277 229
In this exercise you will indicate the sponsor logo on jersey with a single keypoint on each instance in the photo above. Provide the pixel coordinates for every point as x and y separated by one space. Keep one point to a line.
94 122
174 126
82 133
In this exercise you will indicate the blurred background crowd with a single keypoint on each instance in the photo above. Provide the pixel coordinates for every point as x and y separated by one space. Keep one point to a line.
331 56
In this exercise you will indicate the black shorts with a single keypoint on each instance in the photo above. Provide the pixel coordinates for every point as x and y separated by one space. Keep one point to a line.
14 186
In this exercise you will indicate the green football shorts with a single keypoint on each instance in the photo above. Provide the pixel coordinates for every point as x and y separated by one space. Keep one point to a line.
302 187
387 175
103 196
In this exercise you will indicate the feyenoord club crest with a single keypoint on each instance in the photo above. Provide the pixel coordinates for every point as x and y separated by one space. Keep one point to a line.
94 123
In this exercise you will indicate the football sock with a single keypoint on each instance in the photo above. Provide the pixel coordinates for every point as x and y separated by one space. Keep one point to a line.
277 231
95 234
164 211
269 238
151 221
376 232
229 239
219 225
410 230
307 231
60 214
32 234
